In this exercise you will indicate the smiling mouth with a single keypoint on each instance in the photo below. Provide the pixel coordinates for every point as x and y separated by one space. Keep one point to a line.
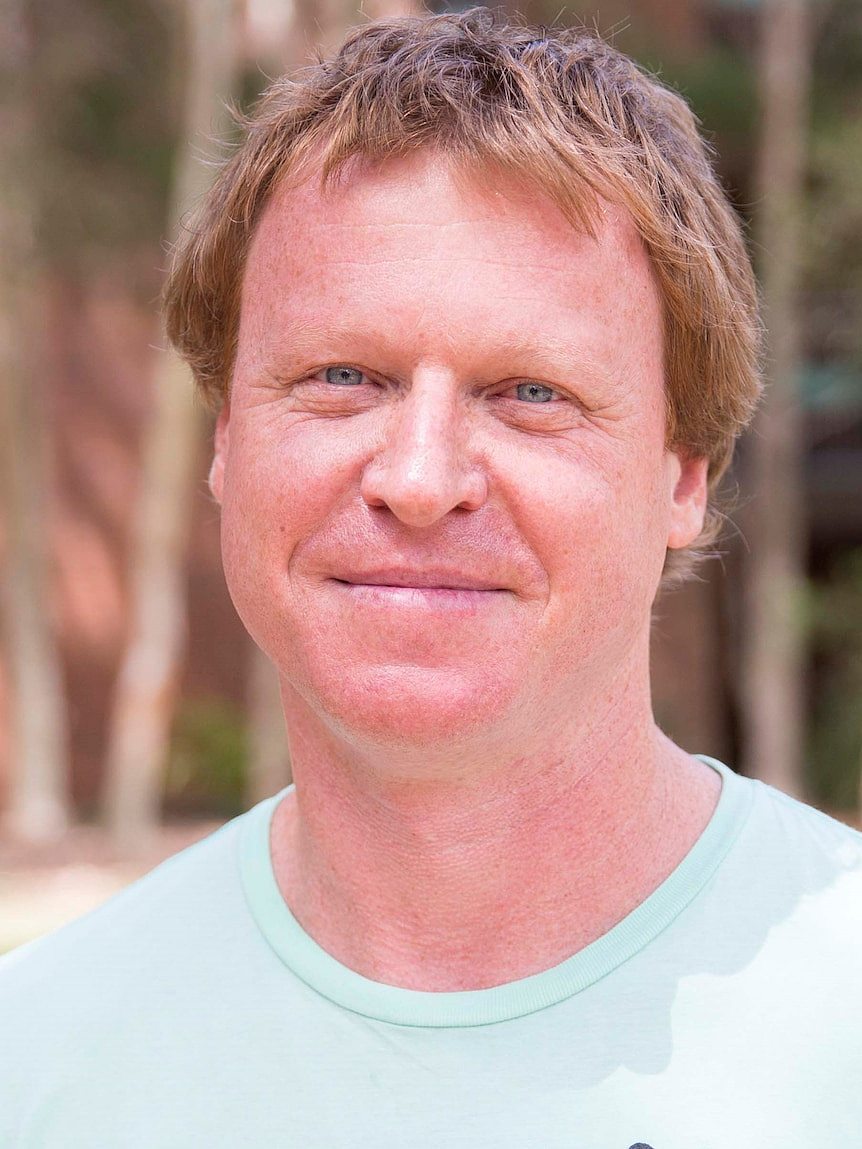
433 597
425 586
440 579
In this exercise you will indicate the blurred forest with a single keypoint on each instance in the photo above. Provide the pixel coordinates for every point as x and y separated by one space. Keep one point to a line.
129 691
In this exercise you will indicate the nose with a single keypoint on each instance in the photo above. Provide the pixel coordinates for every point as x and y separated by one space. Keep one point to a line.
423 469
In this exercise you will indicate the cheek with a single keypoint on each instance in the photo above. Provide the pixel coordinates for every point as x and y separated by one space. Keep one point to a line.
280 485
595 519
283 480
290 481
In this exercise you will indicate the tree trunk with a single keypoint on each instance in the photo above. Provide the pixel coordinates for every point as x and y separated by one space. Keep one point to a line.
320 25
773 703
148 679
39 803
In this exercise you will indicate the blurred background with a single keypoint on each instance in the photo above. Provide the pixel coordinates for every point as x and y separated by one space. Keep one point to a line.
135 714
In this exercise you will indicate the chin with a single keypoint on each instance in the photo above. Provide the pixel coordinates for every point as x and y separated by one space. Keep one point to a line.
410 707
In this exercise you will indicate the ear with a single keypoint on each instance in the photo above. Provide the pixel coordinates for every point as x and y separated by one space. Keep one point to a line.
221 441
688 497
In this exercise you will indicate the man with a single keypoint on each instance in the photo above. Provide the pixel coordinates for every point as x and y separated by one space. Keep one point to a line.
481 332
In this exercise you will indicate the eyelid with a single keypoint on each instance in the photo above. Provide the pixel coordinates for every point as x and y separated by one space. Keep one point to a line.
557 391
321 371
317 375
369 378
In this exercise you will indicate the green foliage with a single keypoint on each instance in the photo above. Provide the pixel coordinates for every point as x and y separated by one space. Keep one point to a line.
835 741
837 76
107 108
721 87
834 241
833 271
208 762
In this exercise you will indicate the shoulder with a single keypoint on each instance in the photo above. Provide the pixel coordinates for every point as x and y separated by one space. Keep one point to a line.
786 898
123 995
813 844
139 937
796 873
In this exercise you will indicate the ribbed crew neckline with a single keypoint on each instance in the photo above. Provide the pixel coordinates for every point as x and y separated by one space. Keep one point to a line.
418 1008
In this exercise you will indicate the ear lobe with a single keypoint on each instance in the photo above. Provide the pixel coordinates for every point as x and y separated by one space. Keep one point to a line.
221 441
688 499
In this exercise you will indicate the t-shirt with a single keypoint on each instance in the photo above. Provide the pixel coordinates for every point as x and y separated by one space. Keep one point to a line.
192 1010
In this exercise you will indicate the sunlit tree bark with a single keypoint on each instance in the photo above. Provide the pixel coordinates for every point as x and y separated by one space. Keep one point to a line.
147 684
39 804
320 25
773 696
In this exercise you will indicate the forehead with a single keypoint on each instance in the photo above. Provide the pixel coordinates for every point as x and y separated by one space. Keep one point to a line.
416 247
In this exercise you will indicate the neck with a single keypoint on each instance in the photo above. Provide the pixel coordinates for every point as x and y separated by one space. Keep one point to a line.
465 882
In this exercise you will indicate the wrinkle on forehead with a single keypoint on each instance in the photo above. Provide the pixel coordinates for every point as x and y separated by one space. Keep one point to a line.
396 191
486 186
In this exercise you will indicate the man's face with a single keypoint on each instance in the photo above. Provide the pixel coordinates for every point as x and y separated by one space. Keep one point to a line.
446 497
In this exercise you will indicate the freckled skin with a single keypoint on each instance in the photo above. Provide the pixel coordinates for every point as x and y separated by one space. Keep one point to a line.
423 731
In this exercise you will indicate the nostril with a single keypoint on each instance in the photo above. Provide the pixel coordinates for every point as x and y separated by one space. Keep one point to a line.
422 500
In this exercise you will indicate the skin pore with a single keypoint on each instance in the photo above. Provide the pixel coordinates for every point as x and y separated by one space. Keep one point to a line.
446 501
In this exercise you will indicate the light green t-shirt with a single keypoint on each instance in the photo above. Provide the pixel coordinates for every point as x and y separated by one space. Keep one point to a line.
191 1010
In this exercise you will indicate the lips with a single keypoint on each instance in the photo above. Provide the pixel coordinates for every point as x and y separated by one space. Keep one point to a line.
425 579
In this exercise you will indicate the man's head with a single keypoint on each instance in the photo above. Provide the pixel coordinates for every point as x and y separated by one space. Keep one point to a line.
478 323
562 111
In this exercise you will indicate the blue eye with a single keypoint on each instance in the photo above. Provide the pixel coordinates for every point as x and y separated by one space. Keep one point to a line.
344 376
535 393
